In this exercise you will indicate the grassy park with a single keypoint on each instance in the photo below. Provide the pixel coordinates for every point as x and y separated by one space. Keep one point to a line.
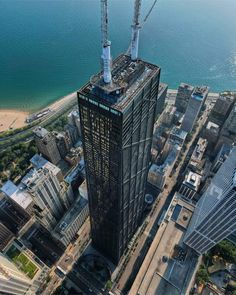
22 262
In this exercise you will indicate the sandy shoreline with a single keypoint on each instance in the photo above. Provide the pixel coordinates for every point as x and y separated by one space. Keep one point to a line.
12 119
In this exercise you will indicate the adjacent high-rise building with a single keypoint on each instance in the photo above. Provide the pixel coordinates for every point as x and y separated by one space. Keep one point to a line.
40 193
162 92
230 123
194 107
214 218
46 144
12 280
63 142
220 157
221 109
183 96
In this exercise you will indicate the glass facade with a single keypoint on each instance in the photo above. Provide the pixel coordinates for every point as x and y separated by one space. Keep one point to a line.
117 143
214 218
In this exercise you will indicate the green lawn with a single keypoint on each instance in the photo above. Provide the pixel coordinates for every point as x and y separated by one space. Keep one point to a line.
22 262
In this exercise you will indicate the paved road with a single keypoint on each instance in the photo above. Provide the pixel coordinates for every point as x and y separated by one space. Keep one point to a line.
68 259
27 134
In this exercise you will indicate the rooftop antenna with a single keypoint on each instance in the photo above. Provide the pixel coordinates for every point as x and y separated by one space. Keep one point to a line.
135 30
106 44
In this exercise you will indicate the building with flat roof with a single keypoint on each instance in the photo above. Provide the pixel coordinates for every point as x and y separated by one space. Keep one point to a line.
63 142
12 280
72 221
214 218
18 196
196 161
211 133
39 162
190 186
168 115
158 174
230 124
183 95
46 144
5 236
178 135
117 122
27 263
74 120
169 265
13 218
221 109
41 194
196 101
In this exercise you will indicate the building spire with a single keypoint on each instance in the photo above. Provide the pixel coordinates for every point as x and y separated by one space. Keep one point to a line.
106 44
135 30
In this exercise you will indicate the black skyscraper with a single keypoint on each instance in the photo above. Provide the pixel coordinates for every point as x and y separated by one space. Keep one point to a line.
117 122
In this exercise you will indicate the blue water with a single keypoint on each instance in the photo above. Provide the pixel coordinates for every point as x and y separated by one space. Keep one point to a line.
50 48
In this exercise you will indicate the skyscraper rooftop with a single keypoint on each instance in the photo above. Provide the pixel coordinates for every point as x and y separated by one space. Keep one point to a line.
127 78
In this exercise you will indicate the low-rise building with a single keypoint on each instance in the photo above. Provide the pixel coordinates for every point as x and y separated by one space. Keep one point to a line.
158 174
70 224
178 135
196 161
169 265
190 186
74 156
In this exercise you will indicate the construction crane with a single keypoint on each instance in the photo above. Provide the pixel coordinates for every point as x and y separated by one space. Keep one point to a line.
106 44
136 26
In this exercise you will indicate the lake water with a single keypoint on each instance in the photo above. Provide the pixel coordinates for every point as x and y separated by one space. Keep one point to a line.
50 48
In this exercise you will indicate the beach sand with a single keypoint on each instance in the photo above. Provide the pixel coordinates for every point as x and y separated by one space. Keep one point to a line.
12 119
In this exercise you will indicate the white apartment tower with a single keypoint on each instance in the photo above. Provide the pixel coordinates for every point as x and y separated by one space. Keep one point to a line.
52 196
13 281
214 218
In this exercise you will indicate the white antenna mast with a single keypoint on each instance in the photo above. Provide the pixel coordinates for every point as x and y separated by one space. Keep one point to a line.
106 44
135 30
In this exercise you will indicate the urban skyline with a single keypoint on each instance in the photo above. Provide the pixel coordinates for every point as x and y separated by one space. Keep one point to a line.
128 188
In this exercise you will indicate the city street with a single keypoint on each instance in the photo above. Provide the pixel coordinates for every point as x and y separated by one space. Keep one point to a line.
68 259
162 203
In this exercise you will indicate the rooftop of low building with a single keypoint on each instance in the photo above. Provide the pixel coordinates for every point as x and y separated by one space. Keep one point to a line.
71 214
169 264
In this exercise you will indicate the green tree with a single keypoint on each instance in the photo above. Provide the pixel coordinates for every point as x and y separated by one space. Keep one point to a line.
202 276
226 250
